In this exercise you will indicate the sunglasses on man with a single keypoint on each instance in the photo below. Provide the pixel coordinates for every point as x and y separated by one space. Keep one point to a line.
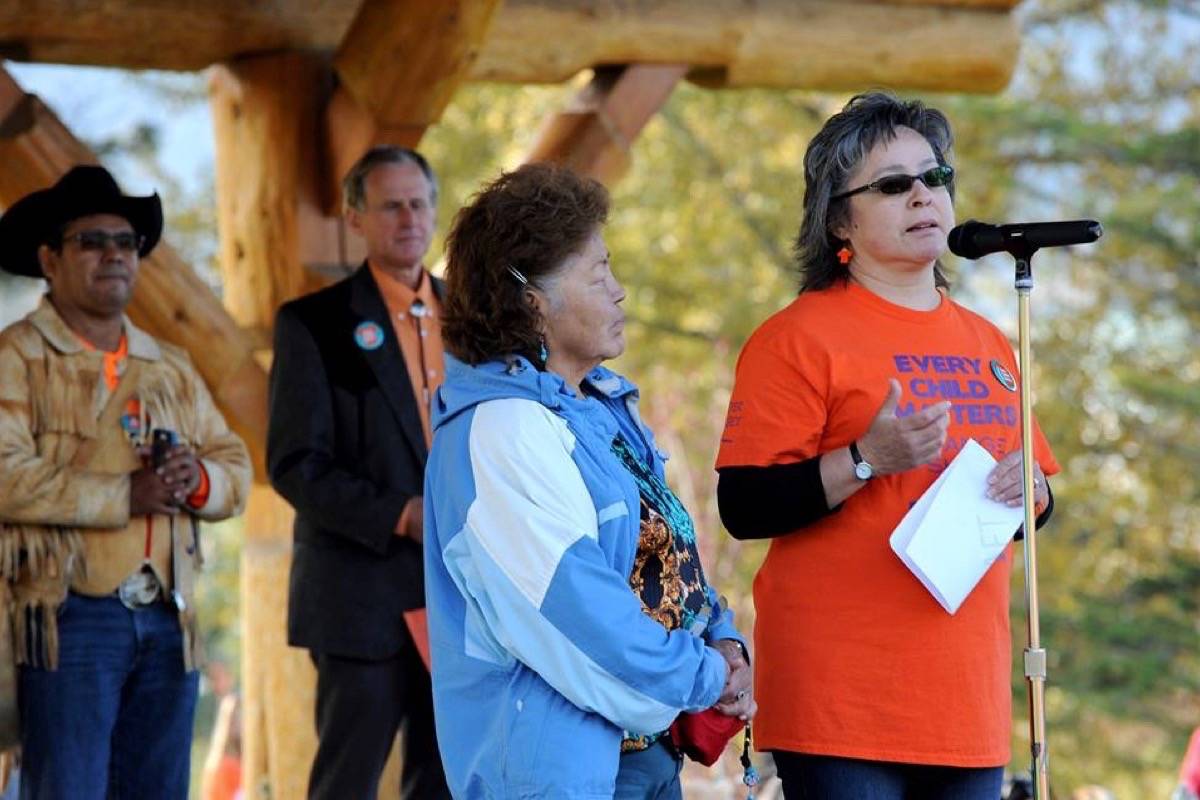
97 241
940 175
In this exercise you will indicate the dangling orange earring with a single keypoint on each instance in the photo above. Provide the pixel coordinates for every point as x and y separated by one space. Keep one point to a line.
845 254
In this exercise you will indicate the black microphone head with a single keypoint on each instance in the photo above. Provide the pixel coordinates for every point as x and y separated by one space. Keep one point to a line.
962 239
977 239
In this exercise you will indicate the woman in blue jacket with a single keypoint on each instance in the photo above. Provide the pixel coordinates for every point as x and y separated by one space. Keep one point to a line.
545 505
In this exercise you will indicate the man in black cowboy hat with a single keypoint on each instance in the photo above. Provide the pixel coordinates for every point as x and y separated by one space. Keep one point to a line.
110 449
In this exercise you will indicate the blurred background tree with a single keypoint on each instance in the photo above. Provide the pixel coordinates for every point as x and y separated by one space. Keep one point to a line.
1102 120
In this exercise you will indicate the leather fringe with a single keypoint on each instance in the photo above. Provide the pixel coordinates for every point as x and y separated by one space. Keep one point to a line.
33 551
35 634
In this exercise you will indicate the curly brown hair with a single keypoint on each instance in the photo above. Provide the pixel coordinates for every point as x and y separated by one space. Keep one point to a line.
529 220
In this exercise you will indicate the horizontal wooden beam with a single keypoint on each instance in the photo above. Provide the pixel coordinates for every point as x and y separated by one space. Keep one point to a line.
594 134
182 34
170 301
951 45
1004 5
814 44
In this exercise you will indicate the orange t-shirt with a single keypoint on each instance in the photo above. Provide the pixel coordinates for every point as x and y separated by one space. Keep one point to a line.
853 657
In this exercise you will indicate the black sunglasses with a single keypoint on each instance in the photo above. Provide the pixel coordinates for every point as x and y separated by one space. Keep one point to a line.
96 241
940 175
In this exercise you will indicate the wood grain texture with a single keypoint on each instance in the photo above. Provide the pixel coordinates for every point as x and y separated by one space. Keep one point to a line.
967 45
595 133
403 60
265 112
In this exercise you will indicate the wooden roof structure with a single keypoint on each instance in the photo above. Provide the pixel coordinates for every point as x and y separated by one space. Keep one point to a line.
299 88
921 44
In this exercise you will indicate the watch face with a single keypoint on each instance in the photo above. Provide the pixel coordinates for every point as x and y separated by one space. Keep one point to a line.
862 470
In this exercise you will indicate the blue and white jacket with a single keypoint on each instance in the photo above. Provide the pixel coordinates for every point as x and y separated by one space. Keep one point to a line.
542 656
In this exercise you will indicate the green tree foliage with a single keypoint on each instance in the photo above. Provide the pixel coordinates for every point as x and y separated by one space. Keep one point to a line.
1104 122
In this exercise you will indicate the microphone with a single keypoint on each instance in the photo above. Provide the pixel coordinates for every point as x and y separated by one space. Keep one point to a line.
976 239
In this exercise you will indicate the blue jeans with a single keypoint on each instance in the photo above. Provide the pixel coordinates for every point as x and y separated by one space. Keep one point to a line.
809 777
650 774
115 719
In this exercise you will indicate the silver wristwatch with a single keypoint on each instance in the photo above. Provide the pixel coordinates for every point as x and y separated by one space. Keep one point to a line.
862 469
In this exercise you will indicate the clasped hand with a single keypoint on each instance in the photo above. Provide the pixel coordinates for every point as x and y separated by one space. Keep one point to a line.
737 699
163 489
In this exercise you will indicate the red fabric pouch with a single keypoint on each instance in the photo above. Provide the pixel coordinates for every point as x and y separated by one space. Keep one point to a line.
702 736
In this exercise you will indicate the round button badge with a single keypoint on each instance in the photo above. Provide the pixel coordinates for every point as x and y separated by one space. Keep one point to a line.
1003 376
368 336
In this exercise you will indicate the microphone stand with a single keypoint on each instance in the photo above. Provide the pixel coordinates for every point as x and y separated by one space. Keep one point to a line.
1035 656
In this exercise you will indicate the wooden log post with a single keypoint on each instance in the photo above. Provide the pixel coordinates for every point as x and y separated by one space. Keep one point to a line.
267 178
266 112
278 682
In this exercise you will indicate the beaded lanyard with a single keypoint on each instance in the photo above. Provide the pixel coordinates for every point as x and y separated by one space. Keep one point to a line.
668 504
749 773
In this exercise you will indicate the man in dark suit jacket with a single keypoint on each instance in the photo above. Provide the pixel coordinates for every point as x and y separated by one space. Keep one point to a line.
354 368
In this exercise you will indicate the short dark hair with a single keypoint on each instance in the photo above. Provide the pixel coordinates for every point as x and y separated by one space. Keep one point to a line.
529 221
834 153
354 184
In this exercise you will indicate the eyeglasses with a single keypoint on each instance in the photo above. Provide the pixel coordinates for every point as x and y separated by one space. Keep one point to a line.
940 175
97 241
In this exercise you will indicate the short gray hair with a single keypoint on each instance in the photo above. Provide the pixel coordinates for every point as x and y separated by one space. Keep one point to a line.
834 153
354 184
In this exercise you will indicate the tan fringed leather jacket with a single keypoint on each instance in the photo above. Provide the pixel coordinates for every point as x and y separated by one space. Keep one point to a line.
64 474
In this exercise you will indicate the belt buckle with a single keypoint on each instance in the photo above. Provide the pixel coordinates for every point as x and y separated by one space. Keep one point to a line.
140 589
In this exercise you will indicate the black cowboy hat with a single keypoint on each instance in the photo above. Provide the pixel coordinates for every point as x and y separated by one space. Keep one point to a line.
38 218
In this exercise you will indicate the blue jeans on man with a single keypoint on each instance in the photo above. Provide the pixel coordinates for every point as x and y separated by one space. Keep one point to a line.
114 720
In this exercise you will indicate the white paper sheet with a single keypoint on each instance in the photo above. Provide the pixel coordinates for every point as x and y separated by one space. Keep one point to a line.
954 533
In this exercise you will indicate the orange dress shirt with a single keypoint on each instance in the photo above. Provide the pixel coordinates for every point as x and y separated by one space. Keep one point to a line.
416 319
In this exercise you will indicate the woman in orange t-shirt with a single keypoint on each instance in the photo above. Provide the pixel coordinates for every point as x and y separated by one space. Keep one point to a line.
847 405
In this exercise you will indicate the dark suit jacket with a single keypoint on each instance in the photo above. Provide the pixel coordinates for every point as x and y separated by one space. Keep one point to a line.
345 448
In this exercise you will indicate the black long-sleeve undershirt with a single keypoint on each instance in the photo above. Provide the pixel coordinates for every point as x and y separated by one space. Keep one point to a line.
765 502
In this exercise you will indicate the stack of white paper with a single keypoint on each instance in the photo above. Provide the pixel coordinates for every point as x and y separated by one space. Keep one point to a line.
954 533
